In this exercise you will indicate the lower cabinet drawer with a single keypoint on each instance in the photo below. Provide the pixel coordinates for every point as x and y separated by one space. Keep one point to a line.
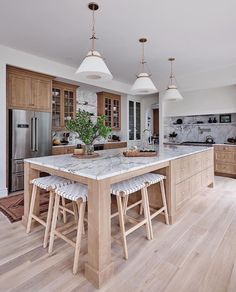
183 193
195 163
207 159
196 183
225 168
207 177
225 156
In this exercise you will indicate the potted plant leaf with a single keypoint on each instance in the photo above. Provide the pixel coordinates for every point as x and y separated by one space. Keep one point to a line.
87 129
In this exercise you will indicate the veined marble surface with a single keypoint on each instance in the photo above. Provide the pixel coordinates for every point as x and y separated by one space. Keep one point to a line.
112 162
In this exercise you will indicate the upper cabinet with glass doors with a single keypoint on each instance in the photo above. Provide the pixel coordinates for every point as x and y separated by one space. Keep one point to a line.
63 104
110 105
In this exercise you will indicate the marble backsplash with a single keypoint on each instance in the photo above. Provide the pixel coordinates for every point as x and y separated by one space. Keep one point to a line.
189 130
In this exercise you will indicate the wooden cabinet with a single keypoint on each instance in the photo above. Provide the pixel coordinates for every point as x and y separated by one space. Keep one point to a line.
225 160
28 90
41 94
110 105
182 193
58 150
114 145
182 168
63 104
189 175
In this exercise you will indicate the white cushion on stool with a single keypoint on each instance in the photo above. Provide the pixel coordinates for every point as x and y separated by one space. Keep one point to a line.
153 178
128 186
51 182
73 192
135 184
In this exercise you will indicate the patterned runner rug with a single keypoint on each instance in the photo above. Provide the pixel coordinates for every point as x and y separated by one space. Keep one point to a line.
13 206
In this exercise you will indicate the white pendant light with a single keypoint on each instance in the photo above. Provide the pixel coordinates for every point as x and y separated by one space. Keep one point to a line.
172 92
93 66
143 84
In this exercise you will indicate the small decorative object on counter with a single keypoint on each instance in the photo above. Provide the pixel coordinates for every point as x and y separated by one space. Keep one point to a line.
179 121
225 118
78 151
88 130
209 139
210 120
215 120
173 136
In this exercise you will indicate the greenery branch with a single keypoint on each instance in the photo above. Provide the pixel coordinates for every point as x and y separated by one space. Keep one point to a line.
87 130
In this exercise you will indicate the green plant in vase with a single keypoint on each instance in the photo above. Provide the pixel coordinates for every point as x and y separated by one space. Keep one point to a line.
87 129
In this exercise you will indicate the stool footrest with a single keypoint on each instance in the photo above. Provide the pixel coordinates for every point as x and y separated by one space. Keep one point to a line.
159 211
62 236
36 218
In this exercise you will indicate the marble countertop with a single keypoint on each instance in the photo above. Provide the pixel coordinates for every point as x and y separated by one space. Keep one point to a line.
75 144
112 162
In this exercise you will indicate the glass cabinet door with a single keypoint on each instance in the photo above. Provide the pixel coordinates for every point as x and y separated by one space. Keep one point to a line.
108 111
116 114
56 108
68 105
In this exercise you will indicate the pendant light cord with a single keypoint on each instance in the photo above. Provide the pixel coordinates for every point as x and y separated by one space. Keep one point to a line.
142 58
171 73
93 37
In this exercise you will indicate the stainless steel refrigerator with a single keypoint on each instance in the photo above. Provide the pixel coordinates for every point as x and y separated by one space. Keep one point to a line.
29 136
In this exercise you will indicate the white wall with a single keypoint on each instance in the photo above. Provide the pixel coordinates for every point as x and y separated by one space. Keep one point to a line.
205 101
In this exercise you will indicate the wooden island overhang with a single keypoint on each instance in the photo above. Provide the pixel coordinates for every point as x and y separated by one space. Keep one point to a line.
188 170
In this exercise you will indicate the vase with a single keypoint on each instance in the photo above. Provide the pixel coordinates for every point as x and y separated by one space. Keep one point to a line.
88 149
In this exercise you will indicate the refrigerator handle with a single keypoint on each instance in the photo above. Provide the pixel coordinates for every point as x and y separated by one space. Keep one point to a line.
36 134
33 134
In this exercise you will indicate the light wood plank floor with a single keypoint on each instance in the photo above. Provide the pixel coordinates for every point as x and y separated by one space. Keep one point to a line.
198 253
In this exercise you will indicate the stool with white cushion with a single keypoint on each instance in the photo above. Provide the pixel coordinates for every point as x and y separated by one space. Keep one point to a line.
49 184
123 190
154 178
77 193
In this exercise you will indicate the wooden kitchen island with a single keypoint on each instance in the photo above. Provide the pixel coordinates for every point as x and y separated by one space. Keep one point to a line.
188 170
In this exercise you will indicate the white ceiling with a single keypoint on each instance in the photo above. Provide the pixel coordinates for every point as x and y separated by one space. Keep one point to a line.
199 33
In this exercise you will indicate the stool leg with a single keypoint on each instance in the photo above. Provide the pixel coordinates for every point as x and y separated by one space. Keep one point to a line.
54 223
122 225
49 219
76 214
31 211
81 209
141 209
125 205
63 202
146 211
149 213
163 195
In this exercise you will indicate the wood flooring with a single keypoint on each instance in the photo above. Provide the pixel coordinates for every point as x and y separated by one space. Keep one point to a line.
196 254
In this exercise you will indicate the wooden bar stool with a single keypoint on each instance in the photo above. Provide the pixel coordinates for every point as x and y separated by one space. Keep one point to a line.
77 193
154 178
49 184
122 190
150 179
